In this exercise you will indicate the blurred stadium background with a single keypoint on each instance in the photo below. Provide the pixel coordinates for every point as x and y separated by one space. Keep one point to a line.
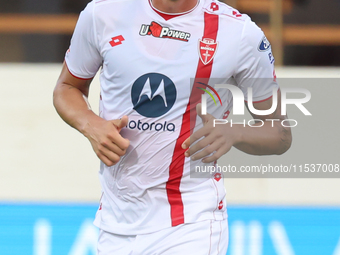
49 189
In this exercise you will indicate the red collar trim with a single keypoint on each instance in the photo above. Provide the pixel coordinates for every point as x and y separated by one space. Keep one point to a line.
168 16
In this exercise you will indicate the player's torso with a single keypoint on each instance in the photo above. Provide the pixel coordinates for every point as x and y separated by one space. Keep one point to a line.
149 64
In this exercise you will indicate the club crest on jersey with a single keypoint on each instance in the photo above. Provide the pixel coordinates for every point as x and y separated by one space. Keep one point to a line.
207 50
159 31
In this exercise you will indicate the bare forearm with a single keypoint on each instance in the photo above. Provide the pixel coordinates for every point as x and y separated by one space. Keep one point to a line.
71 106
70 101
266 140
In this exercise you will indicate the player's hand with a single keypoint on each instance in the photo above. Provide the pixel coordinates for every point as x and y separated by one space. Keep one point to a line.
216 140
105 138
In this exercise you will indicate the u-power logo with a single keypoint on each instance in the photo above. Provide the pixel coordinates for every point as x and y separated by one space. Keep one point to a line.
239 99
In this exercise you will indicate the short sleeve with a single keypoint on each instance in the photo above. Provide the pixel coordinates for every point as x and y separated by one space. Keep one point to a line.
83 58
255 66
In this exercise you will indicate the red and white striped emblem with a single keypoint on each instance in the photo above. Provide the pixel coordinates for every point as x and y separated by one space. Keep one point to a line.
207 50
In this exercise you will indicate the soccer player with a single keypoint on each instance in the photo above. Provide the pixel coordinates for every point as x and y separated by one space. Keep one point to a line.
156 57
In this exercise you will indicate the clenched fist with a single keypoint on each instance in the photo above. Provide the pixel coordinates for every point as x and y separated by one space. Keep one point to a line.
105 138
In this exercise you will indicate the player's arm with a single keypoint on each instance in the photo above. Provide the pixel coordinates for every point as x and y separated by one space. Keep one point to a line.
271 138
210 143
70 100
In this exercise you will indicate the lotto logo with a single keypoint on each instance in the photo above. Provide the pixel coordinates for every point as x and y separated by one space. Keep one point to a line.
214 7
220 205
237 14
218 177
117 40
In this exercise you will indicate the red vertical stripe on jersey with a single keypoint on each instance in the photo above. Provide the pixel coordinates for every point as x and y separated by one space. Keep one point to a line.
188 123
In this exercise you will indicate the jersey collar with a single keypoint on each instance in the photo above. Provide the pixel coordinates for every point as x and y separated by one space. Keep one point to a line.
168 16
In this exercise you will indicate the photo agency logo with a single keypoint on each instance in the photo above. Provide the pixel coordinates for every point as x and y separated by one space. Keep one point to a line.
239 104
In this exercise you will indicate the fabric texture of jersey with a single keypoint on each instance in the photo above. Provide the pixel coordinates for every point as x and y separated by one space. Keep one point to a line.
148 68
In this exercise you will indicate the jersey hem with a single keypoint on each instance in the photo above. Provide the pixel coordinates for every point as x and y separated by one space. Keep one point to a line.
264 97
148 230
75 76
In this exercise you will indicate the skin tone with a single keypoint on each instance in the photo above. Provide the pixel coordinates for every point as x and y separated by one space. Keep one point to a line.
174 6
104 135
271 138
110 146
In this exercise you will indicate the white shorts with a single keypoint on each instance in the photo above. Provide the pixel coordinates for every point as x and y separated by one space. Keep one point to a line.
202 238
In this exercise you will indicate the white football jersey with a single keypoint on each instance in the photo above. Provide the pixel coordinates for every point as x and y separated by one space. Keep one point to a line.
151 65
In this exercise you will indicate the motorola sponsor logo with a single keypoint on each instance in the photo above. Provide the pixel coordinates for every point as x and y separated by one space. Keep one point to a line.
154 126
153 95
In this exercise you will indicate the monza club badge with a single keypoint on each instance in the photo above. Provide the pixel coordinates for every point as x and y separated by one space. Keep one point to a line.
207 50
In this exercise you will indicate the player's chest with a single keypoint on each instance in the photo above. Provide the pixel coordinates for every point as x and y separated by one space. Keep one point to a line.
154 45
